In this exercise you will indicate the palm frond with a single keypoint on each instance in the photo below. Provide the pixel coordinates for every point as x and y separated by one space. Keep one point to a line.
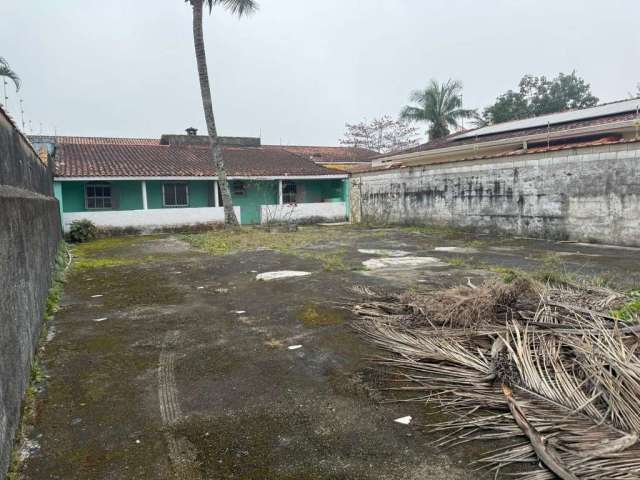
6 71
236 7
440 105
545 367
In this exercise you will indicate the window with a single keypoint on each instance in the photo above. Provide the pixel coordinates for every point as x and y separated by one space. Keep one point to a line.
239 188
289 192
98 196
175 195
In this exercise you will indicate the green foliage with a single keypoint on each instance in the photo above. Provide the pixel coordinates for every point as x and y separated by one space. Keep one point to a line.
439 105
82 231
630 311
539 96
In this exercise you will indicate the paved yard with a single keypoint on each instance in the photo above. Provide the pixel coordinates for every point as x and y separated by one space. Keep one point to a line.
169 361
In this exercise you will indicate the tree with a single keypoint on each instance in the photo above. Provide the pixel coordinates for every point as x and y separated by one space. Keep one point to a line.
6 72
540 96
439 105
239 8
383 134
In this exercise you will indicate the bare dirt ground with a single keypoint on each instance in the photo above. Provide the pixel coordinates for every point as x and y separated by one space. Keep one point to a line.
168 361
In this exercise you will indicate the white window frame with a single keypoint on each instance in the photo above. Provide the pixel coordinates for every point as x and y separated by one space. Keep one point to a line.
164 198
102 197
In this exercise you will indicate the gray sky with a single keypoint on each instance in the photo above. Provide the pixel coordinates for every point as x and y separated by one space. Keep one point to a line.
299 69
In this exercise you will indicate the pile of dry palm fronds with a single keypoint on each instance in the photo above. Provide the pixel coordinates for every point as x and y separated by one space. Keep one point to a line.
547 366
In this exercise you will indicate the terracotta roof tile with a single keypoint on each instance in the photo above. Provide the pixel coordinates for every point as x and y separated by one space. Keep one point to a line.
140 160
329 154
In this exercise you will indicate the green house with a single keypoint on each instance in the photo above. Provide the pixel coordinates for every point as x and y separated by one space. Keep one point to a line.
150 184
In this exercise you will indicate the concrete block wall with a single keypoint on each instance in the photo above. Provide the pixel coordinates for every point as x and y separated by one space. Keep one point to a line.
587 194
29 236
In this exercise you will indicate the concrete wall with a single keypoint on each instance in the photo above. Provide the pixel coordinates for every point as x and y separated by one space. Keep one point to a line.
149 219
588 194
29 237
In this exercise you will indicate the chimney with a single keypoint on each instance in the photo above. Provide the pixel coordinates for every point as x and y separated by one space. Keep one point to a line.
192 132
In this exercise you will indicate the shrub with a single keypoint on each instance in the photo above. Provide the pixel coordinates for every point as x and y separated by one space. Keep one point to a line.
82 231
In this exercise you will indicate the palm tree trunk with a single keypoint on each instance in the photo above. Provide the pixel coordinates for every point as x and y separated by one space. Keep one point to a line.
205 91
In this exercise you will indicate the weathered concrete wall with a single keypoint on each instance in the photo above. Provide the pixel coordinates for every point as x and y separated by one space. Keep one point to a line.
588 194
29 237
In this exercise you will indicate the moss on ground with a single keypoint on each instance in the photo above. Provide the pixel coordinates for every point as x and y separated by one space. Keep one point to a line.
318 316
228 241
222 242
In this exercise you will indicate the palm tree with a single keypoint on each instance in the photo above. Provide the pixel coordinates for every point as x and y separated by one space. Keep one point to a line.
440 105
236 7
5 71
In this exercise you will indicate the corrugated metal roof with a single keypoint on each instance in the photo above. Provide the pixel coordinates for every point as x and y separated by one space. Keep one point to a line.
555 118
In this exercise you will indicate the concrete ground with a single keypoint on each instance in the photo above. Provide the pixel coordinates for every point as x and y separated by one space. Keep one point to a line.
166 361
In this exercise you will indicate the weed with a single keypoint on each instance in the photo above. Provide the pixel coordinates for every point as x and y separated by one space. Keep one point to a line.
456 262
630 311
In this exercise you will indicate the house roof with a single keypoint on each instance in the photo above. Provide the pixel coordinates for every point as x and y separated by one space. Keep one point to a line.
83 159
93 140
330 154
553 123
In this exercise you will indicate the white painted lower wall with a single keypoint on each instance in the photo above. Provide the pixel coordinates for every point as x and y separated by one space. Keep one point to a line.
149 219
302 211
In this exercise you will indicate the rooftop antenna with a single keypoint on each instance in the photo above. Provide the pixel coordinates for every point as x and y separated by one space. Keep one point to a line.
6 98
30 128
40 128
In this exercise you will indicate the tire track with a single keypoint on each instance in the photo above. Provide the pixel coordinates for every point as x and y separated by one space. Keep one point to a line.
182 454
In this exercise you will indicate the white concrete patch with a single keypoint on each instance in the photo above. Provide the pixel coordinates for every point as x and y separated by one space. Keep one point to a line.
96 296
383 252
300 211
402 263
101 319
281 274
404 420
154 218
295 347
456 249
239 312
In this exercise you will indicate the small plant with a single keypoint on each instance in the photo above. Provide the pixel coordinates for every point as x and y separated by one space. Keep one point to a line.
630 311
456 262
82 231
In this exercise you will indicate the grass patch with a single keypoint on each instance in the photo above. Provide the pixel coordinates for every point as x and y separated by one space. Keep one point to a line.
456 262
83 263
244 239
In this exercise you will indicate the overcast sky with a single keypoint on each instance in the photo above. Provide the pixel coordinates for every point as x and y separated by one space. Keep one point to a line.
299 69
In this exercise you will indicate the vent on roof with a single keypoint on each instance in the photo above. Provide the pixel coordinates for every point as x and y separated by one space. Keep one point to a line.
192 132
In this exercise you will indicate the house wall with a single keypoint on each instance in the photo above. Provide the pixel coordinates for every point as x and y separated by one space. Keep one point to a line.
255 195
29 237
148 220
587 194
127 196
